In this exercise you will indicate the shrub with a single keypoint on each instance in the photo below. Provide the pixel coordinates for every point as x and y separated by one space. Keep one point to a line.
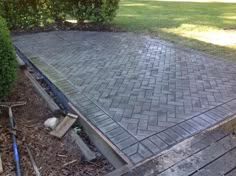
7 60
23 14
98 11
57 10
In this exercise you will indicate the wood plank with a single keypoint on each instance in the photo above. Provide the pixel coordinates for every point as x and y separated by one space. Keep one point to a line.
64 126
231 173
202 158
221 166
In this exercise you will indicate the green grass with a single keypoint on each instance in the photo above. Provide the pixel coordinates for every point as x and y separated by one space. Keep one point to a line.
197 24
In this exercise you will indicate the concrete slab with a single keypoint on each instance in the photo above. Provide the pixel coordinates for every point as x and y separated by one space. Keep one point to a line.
151 93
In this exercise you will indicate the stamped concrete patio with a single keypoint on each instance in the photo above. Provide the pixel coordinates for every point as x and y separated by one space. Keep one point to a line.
144 94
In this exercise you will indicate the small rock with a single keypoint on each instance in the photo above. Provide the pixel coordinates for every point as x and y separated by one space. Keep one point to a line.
98 154
77 130
51 123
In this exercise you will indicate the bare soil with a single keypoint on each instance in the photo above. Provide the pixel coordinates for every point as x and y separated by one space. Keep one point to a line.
67 26
51 154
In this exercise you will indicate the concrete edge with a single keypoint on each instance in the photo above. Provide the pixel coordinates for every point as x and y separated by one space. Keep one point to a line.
88 155
113 154
20 62
121 171
227 125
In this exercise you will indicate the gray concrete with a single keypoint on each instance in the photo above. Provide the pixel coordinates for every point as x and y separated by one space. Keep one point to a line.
88 155
142 93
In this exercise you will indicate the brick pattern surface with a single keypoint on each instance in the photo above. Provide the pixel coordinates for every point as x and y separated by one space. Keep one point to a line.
210 153
143 93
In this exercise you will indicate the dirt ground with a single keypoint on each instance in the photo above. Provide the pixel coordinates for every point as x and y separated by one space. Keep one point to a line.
50 154
67 26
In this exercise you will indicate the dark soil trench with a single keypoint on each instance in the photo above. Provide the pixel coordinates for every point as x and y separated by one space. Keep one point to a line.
50 153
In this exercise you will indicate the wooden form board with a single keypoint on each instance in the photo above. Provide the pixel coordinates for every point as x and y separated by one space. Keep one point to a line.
1 168
64 125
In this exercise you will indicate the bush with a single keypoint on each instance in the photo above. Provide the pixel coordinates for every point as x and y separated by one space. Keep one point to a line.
7 60
24 14
98 11
57 10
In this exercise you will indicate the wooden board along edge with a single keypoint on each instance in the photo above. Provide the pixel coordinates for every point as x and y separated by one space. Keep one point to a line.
64 126
72 116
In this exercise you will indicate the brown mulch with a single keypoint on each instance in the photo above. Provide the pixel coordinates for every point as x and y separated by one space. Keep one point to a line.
50 154
66 26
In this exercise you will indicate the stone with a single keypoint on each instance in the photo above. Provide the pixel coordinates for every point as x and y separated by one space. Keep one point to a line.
51 123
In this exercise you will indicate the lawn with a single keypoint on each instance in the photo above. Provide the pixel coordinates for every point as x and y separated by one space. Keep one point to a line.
205 25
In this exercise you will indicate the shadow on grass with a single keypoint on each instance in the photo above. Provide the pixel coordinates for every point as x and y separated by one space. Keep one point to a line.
153 16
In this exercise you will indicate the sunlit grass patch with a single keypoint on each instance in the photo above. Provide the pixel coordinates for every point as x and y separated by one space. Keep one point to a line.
200 24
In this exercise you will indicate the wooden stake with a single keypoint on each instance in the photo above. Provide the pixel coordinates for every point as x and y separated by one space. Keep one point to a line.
36 170
71 162
1 168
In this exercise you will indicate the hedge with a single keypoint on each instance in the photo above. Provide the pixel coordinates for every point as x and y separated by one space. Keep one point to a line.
24 13
98 11
33 13
7 60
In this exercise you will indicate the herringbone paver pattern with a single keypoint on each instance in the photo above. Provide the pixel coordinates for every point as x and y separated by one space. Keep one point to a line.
143 93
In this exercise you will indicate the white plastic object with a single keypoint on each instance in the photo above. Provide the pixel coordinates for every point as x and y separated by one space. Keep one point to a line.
51 123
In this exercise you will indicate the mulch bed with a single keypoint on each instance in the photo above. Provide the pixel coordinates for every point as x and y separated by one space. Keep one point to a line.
50 154
66 26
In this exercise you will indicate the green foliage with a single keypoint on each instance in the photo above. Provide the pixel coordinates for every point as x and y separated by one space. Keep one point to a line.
98 11
23 13
33 13
57 10
184 22
7 60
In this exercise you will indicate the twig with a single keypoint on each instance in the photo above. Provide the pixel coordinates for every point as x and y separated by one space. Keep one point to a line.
1 168
30 126
62 156
37 173
71 162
